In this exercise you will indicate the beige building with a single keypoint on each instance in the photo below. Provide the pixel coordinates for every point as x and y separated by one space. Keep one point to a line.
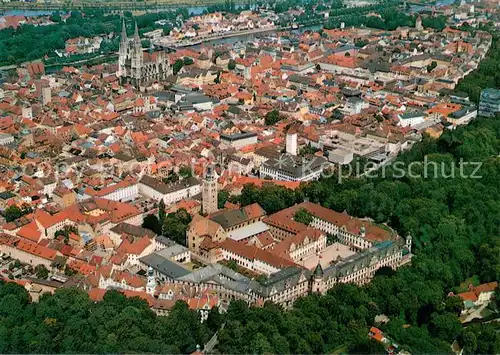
27 252
209 192
64 197
202 234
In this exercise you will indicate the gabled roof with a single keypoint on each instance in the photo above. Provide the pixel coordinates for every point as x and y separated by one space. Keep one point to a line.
231 218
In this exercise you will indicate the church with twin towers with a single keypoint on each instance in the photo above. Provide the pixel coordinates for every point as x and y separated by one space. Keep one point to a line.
138 67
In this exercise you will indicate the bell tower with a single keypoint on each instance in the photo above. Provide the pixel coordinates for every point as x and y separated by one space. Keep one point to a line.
151 284
209 192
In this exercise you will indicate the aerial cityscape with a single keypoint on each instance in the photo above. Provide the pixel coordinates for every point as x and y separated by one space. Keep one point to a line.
226 177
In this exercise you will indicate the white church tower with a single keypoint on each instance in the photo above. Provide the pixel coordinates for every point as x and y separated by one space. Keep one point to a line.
151 284
291 140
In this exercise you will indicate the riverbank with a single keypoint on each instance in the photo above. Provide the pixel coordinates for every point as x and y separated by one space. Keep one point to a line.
208 39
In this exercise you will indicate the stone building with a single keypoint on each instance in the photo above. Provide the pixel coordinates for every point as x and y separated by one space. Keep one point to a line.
140 68
209 192
212 240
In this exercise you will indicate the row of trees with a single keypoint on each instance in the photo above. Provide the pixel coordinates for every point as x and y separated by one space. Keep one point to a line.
389 19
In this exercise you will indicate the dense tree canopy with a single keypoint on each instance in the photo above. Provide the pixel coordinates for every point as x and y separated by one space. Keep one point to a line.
29 42
175 225
390 18
272 198
303 216
69 321
13 212
272 117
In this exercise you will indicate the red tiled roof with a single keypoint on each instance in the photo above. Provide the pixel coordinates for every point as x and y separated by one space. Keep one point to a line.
253 253
468 296
30 232
36 249
486 287
136 247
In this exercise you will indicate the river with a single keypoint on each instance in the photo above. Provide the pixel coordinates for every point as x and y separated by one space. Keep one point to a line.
418 8
250 37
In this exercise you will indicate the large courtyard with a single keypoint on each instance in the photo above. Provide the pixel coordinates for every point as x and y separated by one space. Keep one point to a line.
329 254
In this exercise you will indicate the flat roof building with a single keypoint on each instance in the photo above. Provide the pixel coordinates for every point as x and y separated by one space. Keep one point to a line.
239 140
489 102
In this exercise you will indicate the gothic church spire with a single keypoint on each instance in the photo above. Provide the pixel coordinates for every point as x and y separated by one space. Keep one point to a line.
124 30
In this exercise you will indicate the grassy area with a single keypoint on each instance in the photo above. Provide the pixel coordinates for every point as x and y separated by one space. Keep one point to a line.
464 286
245 272
195 264
487 313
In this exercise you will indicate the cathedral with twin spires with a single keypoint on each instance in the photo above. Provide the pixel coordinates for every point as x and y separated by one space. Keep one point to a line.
137 67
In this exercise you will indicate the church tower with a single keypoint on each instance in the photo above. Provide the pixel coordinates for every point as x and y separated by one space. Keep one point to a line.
209 192
151 284
122 53
137 57
317 284
418 24
136 68
291 140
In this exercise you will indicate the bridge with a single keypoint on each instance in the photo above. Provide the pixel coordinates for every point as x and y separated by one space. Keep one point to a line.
201 39
175 44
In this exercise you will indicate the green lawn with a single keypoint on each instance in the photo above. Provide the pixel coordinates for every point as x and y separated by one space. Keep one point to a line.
474 280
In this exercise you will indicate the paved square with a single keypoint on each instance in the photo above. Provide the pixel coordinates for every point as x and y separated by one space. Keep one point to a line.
331 253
